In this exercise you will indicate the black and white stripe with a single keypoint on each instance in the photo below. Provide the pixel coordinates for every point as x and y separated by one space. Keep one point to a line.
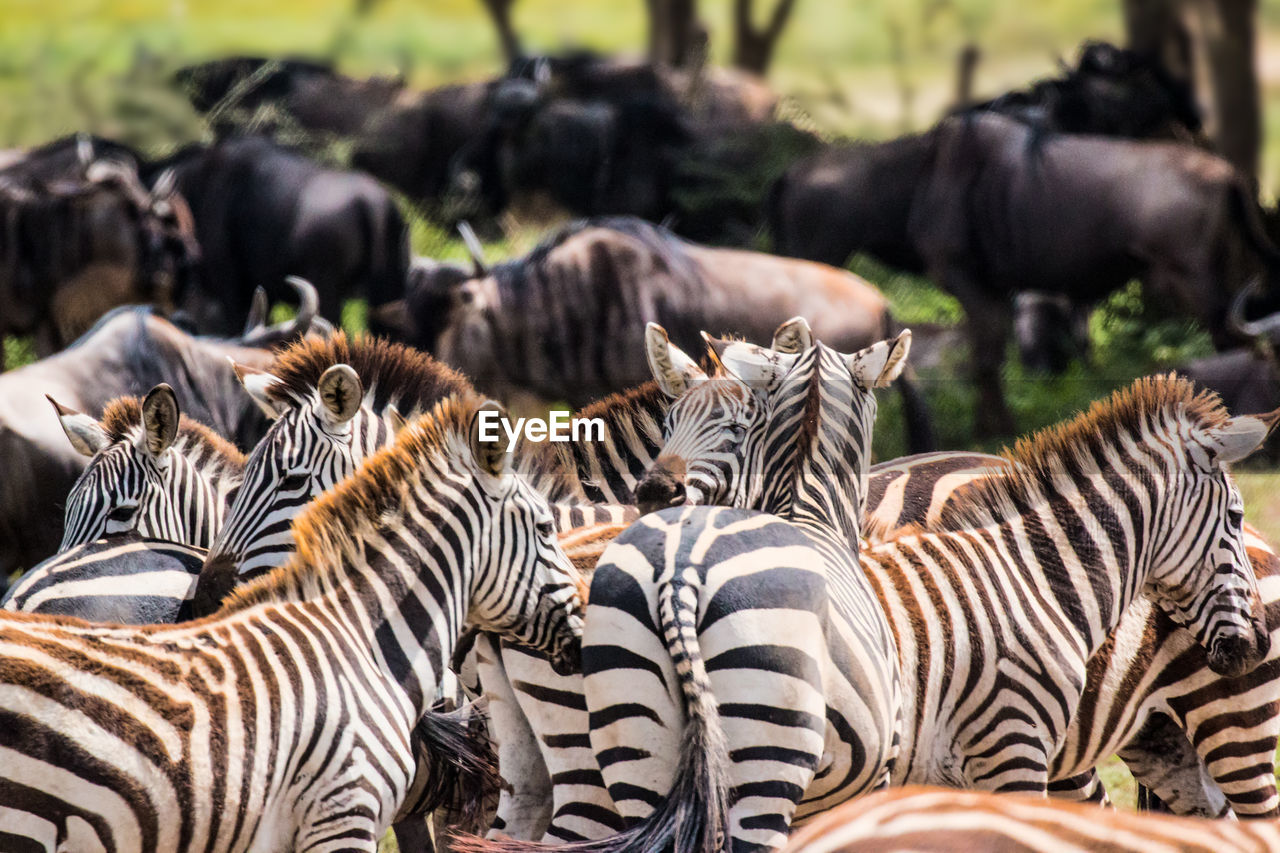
286 721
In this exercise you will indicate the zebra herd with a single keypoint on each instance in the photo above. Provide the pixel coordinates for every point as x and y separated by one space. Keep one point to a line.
786 630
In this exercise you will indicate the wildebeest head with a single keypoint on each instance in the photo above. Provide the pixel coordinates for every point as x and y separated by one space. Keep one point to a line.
1051 331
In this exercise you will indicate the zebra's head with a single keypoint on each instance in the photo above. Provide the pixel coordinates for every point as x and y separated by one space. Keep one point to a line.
319 438
525 586
1200 571
718 430
137 479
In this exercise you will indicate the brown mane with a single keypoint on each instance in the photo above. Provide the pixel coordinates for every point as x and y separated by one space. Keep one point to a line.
394 373
331 528
122 418
1074 445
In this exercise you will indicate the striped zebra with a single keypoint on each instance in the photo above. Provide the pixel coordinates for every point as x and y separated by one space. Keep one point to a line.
285 721
152 471
937 820
768 737
1031 574
298 457
120 578
1204 743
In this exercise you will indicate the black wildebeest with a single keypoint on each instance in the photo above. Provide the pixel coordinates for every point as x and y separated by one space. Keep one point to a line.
988 211
1111 91
263 212
129 351
81 234
566 322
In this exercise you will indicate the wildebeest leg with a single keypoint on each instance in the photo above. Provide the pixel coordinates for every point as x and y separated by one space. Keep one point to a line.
413 836
988 320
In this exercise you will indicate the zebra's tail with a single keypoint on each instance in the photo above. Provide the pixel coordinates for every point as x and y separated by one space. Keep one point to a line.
694 817
457 768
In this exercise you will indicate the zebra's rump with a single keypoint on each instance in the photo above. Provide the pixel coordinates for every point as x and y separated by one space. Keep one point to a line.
936 819
126 579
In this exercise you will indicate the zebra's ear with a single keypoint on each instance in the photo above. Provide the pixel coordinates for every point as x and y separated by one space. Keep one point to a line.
792 337
674 371
257 383
1241 436
882 362
85 434
159 419
489 441
341 393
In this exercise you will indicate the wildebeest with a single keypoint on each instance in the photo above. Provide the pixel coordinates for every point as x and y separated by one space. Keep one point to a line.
1111 91
566 322
236 91
263 212
81 234
126 353
987 211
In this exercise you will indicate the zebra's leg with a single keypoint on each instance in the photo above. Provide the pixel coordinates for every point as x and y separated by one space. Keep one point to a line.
1161 757
1084 787
556 710
524 805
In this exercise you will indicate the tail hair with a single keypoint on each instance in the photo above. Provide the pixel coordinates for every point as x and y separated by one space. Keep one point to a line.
694 816
458 771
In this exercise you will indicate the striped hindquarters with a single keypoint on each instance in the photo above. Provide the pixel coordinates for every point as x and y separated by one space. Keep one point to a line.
935 819
119 579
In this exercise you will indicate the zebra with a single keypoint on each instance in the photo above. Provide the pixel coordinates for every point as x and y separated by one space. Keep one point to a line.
285 720
120 578
799 410
1149 694
937 820
151 470
297 458
1140 478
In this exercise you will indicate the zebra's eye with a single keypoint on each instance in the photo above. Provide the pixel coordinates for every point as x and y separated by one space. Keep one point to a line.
122 513
1235 518
294 482
736 431
546 529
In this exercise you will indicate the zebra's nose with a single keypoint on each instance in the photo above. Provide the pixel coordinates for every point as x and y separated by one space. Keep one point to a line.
662 487
1237 654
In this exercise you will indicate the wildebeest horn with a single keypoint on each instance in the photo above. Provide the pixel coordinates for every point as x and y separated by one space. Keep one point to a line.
473 248
163 187
84 150
1250 328
308 302
257 312
110 170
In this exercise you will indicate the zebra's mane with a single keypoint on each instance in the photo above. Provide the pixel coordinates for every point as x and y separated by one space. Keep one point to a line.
1074 447
333 527
390 372
122 420
622 408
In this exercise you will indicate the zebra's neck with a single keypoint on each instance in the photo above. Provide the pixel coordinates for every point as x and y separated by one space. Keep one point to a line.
816 451
392 584
1092 538
200 480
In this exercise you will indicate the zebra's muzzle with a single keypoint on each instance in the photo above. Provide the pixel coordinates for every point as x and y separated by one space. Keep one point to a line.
662 486
567 659
1238 654
218 576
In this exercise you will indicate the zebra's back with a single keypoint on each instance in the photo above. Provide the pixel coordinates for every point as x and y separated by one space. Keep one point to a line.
936 819
126 579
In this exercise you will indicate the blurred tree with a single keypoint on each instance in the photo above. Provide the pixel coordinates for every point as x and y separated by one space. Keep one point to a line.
753 47
674 32
500 12
1210 44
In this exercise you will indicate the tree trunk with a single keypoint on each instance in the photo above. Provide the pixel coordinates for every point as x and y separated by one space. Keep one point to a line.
1211 45
500 12
673 25
753 48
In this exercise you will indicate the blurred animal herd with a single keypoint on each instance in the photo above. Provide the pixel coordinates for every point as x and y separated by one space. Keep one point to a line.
273 584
